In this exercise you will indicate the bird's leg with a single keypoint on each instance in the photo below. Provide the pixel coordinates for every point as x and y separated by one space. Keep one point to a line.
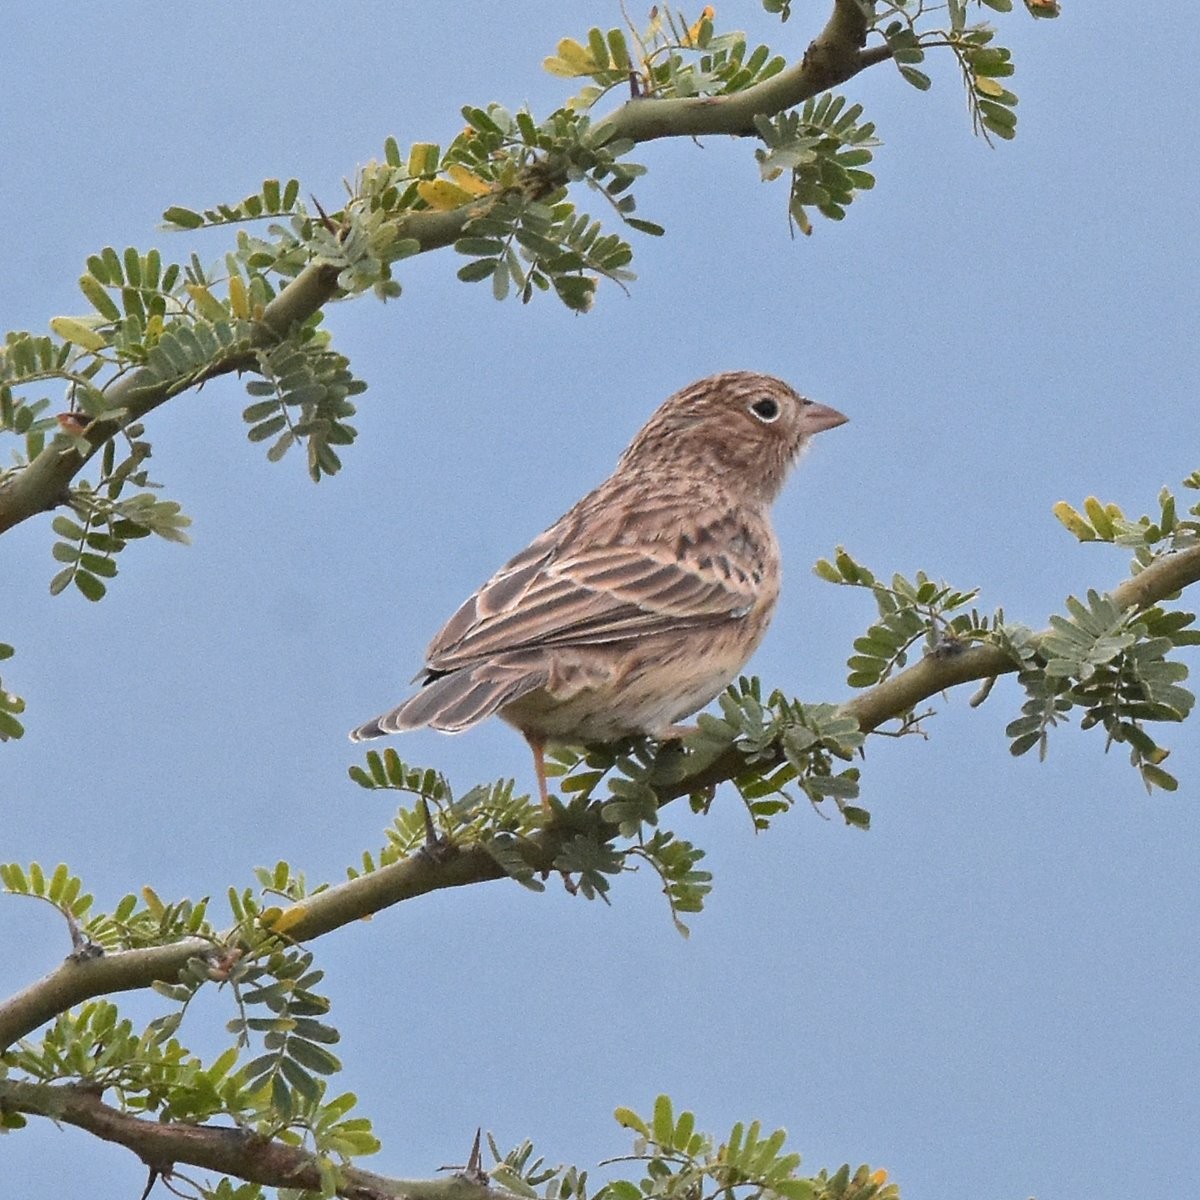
538 746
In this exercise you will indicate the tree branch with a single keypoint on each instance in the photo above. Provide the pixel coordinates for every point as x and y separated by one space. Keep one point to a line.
833 57
236 1152
456 866
935 674
74 981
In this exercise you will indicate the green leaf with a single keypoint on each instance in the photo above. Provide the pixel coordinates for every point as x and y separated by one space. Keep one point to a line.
100 300
260 411
183 218
477 246
60 581
918 79
89 585
1157 777
481 268
67 528
99 565
795 1189
860 818
260 433
314 1057
664 1120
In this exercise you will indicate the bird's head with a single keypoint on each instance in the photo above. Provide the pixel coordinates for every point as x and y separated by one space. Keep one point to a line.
742 429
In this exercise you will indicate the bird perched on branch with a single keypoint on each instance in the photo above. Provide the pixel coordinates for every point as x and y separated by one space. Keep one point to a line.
640 604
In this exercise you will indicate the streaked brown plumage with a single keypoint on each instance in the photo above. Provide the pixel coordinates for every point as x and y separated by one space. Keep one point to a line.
641 603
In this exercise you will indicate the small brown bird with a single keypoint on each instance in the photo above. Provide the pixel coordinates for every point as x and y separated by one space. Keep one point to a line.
639 605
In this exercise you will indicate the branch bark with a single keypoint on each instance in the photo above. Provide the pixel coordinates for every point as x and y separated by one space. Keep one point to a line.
834 56
236 1152
456 866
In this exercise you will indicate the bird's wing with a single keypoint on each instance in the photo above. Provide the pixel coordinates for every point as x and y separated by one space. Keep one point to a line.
543 598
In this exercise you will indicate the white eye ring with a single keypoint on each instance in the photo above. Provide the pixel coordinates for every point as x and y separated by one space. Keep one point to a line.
766 409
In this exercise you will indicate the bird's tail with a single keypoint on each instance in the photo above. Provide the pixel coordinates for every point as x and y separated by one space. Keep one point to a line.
456 700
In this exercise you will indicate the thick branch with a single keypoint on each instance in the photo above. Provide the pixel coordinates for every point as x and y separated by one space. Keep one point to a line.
935 674
74 982
835 56
235 1152
896 696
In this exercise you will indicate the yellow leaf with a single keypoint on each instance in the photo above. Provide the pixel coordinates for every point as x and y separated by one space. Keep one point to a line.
1100 518
468 180
207 305
576 56
442 195
693 32
70 329
556 66
281 922
154 329
988 86
422 159
239 302
1074 522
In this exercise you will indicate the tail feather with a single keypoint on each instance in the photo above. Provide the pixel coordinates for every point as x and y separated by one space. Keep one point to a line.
456 700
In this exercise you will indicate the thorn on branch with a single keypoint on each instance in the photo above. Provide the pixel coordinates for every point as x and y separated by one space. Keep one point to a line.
437 848
473 1172
325 220
474 1169
83 948
151 1180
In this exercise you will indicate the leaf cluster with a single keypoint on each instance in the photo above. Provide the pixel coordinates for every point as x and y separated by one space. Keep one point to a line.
825 148
303 396
271 200
911 612
782 742
1148 536
528 235
1110 663
1107 660
279 1093
681 1163
1113 665
671 58
904 26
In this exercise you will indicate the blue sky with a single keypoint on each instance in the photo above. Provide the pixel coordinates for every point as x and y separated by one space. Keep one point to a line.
998 983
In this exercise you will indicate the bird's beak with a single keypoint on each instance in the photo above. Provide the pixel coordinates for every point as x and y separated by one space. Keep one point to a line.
821 416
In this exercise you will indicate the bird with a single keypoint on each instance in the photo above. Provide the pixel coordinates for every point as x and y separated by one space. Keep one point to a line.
642 602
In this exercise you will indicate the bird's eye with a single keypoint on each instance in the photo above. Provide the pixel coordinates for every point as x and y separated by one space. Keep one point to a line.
766 409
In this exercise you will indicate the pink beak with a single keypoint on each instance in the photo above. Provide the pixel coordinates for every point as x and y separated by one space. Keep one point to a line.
820 416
